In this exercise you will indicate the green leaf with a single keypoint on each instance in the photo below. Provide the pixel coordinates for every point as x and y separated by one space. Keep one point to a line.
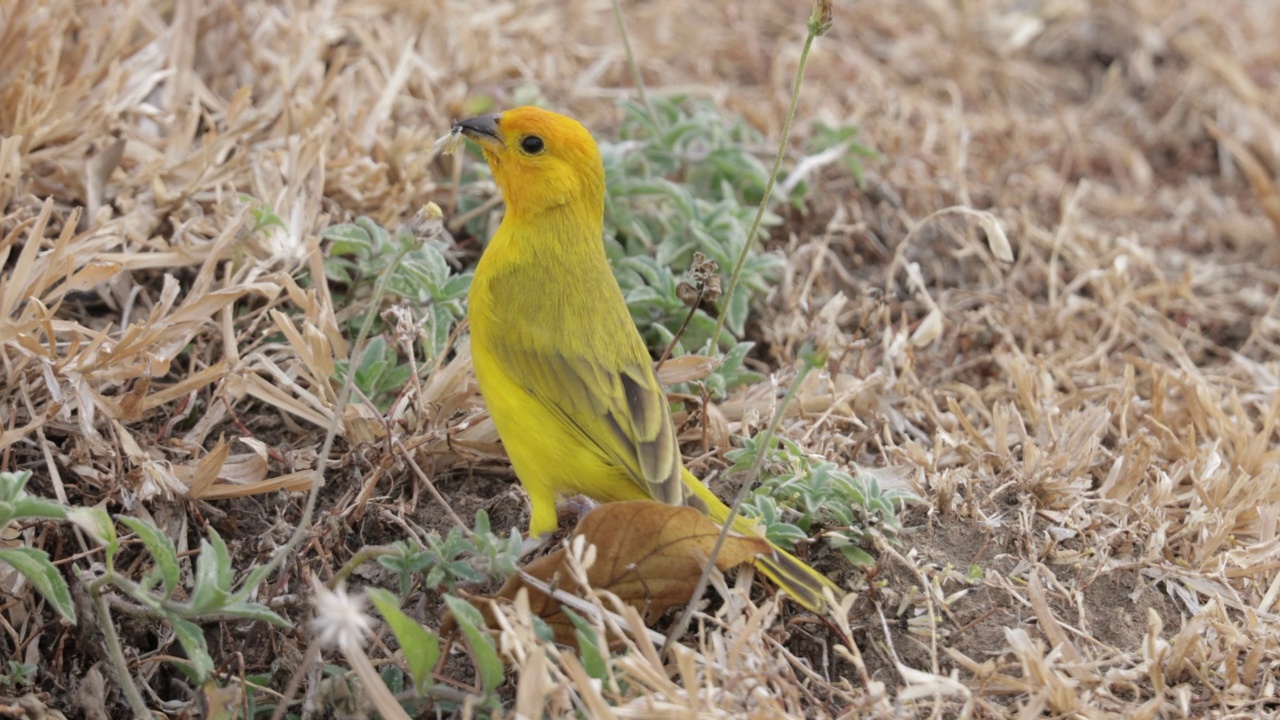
15 503
785 534
212 591
420 646
161 549
254 611
456 287
736 312
481 526
393 678
339 269
396 376
97 523
225 572
264 216
431 264
191 637
858 556
347 239
11 485
595 656
378 235
44 577
251 583
29 506
488 664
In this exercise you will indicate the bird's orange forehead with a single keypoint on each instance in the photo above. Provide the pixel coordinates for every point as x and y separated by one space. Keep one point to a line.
548 125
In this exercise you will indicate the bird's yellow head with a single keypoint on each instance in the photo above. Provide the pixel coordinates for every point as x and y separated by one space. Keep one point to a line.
541 160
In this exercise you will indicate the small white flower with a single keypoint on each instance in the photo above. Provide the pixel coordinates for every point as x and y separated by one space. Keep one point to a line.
340 618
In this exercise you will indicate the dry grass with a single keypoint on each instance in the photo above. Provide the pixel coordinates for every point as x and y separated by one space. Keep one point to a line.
1094 425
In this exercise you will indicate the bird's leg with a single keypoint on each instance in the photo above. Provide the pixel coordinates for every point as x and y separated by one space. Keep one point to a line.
568 512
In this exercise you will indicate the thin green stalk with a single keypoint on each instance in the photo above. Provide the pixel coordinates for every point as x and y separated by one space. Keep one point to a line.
115 653
819 23
811 360
631 62
365 554
344 395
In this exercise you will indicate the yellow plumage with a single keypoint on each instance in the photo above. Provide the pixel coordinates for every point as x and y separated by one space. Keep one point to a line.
567 378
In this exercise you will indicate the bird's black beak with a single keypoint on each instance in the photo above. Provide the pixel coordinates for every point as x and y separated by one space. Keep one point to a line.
480 128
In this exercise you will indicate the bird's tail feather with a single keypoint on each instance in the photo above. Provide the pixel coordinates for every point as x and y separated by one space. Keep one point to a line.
804 584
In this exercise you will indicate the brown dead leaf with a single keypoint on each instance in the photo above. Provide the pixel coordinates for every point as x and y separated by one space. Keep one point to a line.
686 368
648 553
206 471
298 481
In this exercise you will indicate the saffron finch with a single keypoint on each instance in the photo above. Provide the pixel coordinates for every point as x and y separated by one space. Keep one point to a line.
567 378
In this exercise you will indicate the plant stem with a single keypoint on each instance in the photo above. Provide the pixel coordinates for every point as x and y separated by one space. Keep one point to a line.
811 361
819 23
768 188
631 62
344 395
115 653
683 326
365 554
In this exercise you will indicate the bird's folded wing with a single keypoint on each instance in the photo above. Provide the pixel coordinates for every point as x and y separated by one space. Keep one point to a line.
618 409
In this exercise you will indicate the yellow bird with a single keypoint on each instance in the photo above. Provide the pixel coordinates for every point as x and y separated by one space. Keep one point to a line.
567 378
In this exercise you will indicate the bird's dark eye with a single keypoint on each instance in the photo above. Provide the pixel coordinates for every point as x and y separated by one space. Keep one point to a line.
531 144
